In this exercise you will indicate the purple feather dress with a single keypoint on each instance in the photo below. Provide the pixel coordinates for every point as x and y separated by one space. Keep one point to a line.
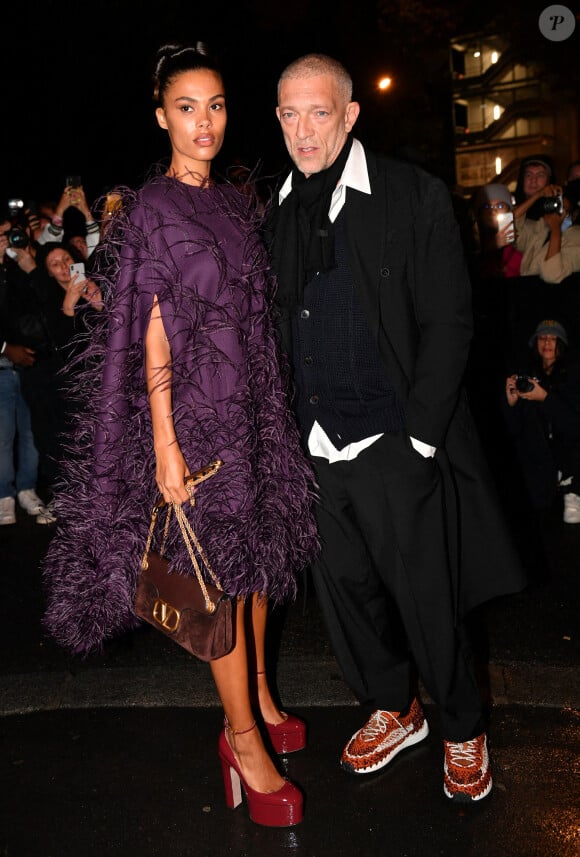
197 250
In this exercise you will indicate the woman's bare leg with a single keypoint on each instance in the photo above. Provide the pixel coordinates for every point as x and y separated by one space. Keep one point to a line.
270 711
230 674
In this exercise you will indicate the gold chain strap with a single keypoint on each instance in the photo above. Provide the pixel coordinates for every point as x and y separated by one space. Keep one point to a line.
189 536
154 515
190 540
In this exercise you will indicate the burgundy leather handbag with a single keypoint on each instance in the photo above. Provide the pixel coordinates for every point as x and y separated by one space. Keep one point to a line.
195 614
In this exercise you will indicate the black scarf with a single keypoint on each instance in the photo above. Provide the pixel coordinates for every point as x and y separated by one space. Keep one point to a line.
300 234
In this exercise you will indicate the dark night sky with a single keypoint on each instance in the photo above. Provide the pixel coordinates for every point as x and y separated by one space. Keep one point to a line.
76 93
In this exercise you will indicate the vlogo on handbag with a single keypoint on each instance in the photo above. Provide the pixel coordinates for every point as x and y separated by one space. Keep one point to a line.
194 613
167 616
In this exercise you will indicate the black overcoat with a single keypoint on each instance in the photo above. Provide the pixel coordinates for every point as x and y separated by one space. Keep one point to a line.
409 269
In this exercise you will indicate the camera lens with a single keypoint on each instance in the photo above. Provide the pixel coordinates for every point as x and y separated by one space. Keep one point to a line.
17 237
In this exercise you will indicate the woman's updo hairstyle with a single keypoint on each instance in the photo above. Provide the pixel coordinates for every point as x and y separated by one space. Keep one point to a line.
172 60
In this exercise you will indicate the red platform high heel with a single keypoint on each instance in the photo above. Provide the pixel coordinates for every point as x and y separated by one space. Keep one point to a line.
282 808
288 736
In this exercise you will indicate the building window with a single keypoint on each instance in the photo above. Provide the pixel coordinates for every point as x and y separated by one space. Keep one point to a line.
458 63
460 111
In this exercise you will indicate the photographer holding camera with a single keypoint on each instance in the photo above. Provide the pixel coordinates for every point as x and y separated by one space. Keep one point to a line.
551 245
72 203
535 173
542 411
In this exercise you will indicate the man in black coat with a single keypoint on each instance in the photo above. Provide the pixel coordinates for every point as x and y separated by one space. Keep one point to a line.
375 314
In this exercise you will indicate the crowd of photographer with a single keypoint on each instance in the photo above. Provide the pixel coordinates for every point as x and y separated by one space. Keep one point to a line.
526 277
43 288
537 229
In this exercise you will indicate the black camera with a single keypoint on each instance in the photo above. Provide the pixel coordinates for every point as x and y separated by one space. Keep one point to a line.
17 236
552 204
523 384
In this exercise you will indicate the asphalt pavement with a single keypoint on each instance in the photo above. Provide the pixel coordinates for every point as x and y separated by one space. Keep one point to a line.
116 754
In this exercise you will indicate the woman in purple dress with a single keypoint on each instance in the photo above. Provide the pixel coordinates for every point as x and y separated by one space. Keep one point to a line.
180 368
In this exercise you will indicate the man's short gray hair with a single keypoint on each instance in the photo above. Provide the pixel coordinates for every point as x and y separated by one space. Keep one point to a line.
312 65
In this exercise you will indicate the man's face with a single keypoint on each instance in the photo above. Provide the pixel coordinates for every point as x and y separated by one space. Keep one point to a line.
535 178
315 120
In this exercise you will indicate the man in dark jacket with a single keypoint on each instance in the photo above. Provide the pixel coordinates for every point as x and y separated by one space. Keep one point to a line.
375 315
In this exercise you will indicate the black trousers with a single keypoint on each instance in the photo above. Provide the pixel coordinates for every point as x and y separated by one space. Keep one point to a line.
384 582
541 455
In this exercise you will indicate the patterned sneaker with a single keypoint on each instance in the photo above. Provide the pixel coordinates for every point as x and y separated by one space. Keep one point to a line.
384 735
467 773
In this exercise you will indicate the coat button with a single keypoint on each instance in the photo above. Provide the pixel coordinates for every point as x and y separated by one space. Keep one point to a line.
385 272
313 400
305 313
308 361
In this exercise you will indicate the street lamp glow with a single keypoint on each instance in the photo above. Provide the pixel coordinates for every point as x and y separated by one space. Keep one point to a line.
384 83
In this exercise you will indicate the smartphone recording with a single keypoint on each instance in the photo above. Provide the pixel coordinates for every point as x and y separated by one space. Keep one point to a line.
506 219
